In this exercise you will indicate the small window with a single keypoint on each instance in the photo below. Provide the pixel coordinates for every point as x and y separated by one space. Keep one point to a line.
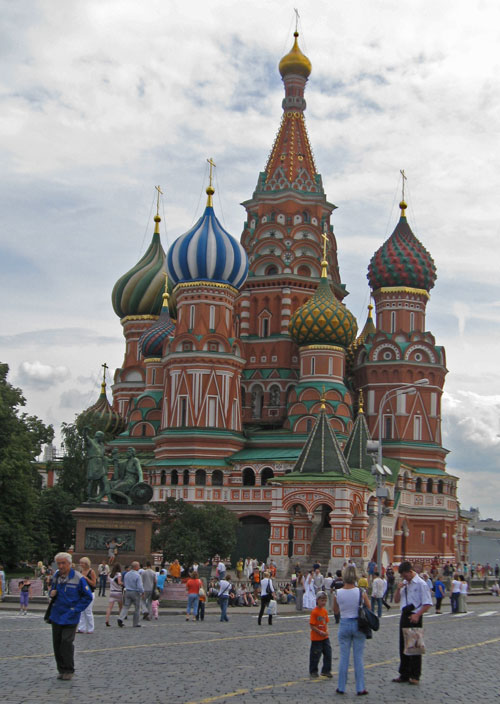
393 321
174 477
211 323
430 486
163 477
217 478
153 376
313 365
422 537
187 346
417 428
388 427
213 346
183 411
191 317
271 271
440 486
412 322
418 485
265 327
185 477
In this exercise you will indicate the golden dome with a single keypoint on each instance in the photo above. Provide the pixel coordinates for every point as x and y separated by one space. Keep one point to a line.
295 61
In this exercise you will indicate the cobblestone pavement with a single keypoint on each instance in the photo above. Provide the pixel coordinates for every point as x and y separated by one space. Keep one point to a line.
177 662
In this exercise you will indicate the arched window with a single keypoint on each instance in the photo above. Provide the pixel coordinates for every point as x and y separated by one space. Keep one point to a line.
418 485
440 486
185 477
248 477
274 395
430 486
200 478
163 477
217 477
174 479
257 402
393 321
271 270
243 396
266 474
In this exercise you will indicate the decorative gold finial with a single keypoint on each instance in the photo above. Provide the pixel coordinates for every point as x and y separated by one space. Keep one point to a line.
210 188
323 399
324 263
165 295
370 308
157 217
402 204
361 402
103 383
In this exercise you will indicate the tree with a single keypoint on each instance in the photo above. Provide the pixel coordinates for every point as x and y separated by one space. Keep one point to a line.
21 440
193 533
55 525
72 477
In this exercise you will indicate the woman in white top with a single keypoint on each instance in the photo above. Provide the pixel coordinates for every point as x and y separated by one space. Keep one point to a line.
346 603
115 591
309 600
266 594
248 568
455 594
462 599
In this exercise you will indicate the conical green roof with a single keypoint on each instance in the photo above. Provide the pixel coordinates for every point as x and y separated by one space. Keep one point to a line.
321 453
355 449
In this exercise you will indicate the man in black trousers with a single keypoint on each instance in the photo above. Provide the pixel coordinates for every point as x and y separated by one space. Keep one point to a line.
415 598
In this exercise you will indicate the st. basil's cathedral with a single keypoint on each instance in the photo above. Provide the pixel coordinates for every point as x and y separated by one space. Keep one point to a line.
246 382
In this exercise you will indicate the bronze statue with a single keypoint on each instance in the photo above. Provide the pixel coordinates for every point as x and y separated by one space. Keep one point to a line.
98 485
127 486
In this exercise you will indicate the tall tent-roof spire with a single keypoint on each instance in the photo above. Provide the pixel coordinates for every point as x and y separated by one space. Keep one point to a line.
355 449
322 453
291 162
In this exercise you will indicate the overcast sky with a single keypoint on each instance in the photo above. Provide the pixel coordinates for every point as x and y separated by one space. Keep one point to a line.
101 100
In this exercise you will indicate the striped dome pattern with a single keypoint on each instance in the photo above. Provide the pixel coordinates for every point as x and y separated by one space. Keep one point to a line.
151 342
139 291
323 320
207 253
402 261
101 416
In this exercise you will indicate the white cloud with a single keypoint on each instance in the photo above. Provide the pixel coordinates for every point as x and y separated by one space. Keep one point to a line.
42 376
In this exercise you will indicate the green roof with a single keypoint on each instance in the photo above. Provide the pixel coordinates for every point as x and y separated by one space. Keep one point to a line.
322 453
355 449
431 470
186 462
250 454
358 476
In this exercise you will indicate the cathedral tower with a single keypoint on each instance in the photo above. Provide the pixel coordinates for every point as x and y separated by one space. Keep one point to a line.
282 236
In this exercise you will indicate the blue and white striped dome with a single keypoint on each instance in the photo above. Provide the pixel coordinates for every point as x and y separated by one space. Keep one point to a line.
207 253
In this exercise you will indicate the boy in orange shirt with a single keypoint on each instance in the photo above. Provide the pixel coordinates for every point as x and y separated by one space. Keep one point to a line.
320 642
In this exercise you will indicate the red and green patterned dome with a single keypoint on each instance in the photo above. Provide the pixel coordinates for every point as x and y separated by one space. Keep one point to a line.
402 260
323 320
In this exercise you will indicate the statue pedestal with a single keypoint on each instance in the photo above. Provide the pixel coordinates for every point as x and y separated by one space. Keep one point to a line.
97 524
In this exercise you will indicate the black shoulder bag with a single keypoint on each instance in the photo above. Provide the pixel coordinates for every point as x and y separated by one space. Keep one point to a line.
367 620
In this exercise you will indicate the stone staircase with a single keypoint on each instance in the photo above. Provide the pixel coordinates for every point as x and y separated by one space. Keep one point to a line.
320 548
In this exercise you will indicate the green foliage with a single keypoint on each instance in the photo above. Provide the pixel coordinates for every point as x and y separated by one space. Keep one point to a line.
72 476
21 440
193 533
56 525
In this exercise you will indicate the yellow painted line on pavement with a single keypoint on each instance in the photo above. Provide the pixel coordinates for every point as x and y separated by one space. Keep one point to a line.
301 680
163 644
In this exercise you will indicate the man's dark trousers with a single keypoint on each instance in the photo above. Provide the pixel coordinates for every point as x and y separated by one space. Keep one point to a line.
319 647
410 667
63 638
103 579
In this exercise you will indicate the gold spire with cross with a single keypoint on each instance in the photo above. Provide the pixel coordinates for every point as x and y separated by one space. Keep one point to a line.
157 217
210 188
165 295
323 398
324 262
361 402
403 205
103 383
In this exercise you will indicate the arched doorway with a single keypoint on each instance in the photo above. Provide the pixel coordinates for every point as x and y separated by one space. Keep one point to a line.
248 477
252 538
217 477
266 474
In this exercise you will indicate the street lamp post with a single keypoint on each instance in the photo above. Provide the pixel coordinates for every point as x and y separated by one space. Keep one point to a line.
379 470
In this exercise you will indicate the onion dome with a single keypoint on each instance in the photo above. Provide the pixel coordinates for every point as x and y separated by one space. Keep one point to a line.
402 260
323 319
139 291
101 416
207 253
151 342
368 329
295 61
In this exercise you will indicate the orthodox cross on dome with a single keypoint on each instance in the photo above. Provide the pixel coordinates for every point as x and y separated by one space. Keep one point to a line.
160 193
402 205
104 368
324 263
210 188
297 17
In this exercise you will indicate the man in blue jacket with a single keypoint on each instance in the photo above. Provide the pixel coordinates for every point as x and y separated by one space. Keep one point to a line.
72 596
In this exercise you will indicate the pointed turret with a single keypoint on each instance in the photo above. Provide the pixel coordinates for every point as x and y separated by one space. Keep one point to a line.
321 453
355 449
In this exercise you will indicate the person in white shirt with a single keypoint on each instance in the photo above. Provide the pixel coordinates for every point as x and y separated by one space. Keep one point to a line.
221 570
462 599
378 591
327 587
455 594
266 594
415 598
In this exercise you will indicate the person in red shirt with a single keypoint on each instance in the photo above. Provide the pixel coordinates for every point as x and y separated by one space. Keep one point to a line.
320 641
193 586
